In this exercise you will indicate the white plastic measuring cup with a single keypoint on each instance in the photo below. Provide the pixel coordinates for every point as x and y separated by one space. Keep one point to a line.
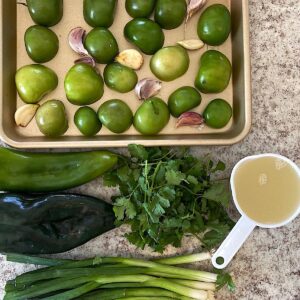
245 225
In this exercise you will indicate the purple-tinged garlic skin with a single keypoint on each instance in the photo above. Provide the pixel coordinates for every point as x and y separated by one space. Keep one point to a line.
86 60
189 118
76 37
147 88
193 7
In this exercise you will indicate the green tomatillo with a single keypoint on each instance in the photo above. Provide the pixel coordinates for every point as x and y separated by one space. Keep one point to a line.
35 81
152 116
83 85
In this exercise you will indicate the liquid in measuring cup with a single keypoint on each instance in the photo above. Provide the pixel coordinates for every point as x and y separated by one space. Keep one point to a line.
267 189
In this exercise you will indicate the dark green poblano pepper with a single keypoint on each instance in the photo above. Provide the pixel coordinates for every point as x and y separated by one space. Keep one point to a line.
54 223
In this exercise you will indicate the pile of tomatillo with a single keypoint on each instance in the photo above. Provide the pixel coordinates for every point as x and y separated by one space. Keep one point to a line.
84 85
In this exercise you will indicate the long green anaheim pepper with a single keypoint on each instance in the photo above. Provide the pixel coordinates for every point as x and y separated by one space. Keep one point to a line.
46 172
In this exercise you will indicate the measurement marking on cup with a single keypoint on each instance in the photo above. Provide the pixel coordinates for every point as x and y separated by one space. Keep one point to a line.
263 179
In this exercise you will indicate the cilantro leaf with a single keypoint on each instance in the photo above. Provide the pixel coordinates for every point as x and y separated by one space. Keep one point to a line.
123 206
192 179
216 235
224 279
138 151
165 194
219 167
110 180
217 192
174 177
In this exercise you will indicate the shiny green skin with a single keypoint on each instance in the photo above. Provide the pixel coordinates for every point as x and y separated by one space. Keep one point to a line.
41 43
99 13
120 78
115 115
51 118
170 14
214 72
51 223
101 45
170 63
217 114
145 34
46 12
183 100
140 8
49 172
151 117
83 85
87 122
33 82
214 25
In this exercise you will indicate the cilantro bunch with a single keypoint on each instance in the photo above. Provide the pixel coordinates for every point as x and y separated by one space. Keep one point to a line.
166 194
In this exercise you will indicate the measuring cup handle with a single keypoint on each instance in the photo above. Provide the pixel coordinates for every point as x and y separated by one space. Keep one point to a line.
233 242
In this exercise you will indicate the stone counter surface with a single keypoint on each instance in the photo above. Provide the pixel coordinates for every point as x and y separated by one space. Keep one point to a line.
268 266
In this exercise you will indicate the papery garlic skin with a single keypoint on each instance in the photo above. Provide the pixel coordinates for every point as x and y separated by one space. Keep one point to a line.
147 88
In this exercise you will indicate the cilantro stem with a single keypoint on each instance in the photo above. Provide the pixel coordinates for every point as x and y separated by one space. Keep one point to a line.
155 174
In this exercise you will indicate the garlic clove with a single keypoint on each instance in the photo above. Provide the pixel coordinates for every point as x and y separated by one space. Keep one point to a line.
76 37
189 118
147 88
25 114
86 60
191 44
193 7
130 58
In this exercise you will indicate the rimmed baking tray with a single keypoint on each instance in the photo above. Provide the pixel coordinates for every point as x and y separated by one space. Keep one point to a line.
14 21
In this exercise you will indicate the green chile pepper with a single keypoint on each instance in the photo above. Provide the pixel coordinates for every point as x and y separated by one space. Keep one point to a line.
45 12
33 82
51 118
140 8
47 172
86 120
170 14
183 100
99 13
83 85
115 115
214 72
217 114
144 34
214 25
47 224
41 43
120 78
102 45
151 117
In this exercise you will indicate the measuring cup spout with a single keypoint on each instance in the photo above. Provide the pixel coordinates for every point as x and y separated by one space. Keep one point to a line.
233 242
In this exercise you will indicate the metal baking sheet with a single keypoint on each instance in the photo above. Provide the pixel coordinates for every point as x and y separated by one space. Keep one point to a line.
15 20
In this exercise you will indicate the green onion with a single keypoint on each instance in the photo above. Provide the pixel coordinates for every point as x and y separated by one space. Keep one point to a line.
73 273
34 260
184 259
110 278
132 292
208 286
77 292
156 267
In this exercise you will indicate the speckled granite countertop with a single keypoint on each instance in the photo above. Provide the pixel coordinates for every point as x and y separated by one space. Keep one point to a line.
268 266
